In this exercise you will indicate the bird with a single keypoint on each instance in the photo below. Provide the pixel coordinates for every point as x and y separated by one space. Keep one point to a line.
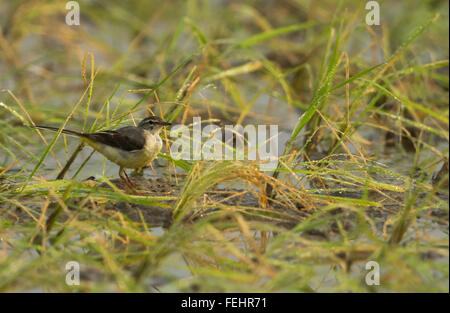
128 147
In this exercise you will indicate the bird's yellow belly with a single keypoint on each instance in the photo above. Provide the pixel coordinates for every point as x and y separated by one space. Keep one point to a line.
130 159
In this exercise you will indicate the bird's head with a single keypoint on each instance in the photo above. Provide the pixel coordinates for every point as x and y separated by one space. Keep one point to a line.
153 124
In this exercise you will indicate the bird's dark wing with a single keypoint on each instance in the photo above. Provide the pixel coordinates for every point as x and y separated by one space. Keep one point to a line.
127 138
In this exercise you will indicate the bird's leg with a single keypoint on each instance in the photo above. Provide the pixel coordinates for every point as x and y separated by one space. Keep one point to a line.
153 171
121 177
126 180
129 180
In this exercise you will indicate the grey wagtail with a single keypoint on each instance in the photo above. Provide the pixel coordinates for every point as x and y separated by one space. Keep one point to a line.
128 147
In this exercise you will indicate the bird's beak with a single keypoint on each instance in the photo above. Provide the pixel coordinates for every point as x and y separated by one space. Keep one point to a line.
166 123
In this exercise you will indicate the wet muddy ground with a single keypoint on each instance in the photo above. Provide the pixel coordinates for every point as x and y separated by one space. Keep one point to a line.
282 216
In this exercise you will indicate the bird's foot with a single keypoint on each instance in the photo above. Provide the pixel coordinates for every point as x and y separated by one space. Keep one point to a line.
131 186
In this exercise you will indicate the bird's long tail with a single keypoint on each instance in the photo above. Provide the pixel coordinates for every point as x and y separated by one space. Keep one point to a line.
65 131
